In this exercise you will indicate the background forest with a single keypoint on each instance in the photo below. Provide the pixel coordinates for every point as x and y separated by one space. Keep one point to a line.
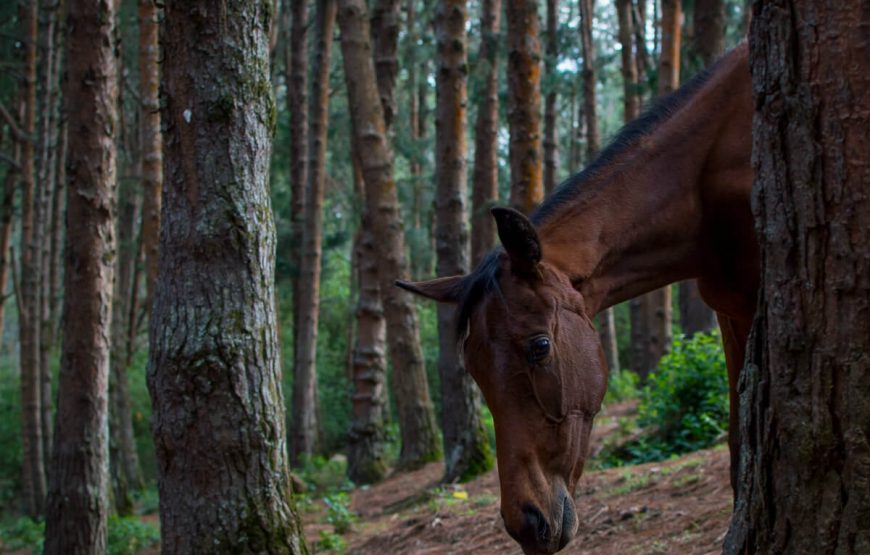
334 387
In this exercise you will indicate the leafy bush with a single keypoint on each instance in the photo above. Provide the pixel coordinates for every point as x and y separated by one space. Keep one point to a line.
622 385
338 512
330 542
22 534
129 535
325 475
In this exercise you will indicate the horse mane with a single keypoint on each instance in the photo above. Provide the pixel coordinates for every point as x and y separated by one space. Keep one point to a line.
477 285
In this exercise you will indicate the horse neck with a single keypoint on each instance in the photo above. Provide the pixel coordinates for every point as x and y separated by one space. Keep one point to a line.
638 223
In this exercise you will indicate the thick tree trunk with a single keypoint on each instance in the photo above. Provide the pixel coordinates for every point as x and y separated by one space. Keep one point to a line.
385 42
150 141
366 451
77 507
213 372
524 104
551 140
305 422
466 446
416 415
296 77
804 416
485 179
31 393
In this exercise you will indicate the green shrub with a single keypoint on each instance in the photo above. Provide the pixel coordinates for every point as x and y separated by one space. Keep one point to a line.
338 512
22 534
325 475
330 542
622 385
686 398
129 535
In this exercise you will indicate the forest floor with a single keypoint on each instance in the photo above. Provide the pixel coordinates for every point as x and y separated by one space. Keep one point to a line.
680 506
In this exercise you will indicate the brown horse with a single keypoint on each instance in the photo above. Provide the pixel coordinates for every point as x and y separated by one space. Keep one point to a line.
669 200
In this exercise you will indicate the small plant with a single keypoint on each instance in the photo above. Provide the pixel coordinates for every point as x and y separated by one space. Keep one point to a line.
330 542
325 475
622 385
129 535
338 512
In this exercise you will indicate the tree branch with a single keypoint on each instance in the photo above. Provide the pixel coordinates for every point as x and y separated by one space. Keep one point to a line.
17 133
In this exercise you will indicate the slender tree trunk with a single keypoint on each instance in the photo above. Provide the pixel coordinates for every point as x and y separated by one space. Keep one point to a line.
305 422
31 394
524 104
642 58
296 76
366 458
551 140
7 207
214 373
77 507
385 42
416 415
466 446
150 141
708 43
630 97
606 319
485 180
124 461
804 415
55 272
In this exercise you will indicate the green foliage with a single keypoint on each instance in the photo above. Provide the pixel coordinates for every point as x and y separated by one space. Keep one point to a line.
330 542
147 501
129 535
338 512
622 385
683 407
22 534
10 434
325 475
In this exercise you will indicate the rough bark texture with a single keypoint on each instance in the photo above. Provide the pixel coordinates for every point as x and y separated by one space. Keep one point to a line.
32 447
551 140
213 372
55 272
77 506
296 66
416 415
466 446
385 41
524 104
305 368
804 415
150 141
485 180
366 450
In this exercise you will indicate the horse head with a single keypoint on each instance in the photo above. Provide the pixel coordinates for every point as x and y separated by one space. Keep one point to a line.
531 347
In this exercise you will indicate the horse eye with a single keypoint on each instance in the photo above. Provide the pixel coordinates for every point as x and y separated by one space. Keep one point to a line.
539 348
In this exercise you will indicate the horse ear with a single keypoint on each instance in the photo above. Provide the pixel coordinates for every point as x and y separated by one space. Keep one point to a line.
519 239
443 290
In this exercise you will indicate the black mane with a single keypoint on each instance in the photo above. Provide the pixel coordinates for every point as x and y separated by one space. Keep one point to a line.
475 287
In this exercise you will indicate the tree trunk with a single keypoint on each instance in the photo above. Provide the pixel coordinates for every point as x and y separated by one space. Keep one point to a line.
485 179
416 415
606 319
416 158
213 372
305 422
641 56
630 97
124 460
524 104
466 446
150 140
708 39
31 393
296 65
7 208
551 140
77 507
366 451
804 416
695 315
385 41
55 272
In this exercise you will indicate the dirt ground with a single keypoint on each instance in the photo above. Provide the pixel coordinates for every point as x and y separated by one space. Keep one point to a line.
679 506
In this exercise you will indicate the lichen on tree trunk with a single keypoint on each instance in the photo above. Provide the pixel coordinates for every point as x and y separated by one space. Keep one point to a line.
213 372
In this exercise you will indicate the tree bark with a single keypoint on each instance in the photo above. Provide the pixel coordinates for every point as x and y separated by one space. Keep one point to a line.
32 446
551 140
366 451
7 213
485 179
213 372
416 415
414 122
385 42
804 416
466 446
524 104
150 141
77 507
305 423
630 99
296 65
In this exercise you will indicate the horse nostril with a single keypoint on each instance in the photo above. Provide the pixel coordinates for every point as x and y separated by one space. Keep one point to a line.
536 527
